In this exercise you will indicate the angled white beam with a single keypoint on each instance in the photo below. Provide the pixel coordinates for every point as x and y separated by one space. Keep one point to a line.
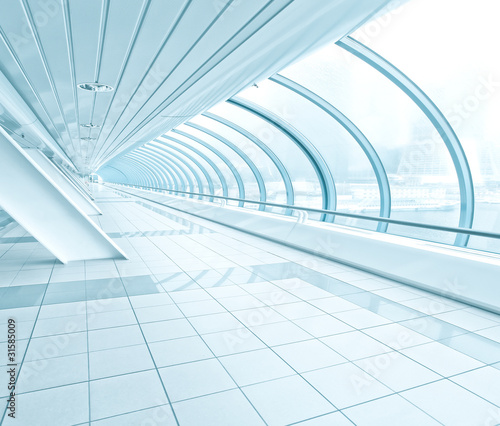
76 180
24 119
65 185
35 201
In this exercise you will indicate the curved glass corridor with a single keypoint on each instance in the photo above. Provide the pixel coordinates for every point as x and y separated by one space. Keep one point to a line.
371 125
209 326
250 213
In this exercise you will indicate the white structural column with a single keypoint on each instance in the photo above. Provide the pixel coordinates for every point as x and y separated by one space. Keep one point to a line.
65 185
35 201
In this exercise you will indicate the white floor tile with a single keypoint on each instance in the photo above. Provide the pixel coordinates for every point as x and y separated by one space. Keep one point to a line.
453 405
166 330
287 400
484 382
221 409
112 362
361 318
391 410
123 394
161 415
115 337
322 326
214 323
280 333
233 341
308 355
178 351
355 345
346 385
297 310
336 418
195 379
397 336
256 366
442 359
66 405
397 371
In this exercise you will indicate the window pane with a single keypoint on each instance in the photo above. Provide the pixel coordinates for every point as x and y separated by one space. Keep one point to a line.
424 186
270 173
458 66
356 185
305 183
186 164
219 163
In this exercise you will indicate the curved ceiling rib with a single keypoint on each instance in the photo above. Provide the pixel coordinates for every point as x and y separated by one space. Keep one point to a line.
133 40
166 153
162 172
166 150
175 164
115 170
187 181
285 176
147 170
169 179
363 142
160 156
133 171
437 119
242 155
131 178
229 164
329 195
169 176
149 69
212 164
179 183
167 61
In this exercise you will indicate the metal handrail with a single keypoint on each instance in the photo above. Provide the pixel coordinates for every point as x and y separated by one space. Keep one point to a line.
333 212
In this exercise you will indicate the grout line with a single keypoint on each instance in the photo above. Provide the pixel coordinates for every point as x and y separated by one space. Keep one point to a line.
27 348
149 350
389 301
200 248
220 363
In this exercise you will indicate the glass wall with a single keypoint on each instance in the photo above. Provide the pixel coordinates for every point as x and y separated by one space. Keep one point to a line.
212 155
381 124
455 62
306 187
208 169
229 154
355 183
274 184
418 166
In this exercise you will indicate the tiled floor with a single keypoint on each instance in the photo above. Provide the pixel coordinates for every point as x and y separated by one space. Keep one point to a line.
209 326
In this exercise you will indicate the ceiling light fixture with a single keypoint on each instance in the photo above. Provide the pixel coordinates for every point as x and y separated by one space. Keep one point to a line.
87 139
90 126
95 87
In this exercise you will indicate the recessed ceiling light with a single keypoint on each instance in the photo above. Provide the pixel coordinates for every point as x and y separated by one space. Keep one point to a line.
87 139
90 126
95 87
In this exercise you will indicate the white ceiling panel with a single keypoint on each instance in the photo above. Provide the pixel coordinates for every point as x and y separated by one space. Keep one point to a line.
166 60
